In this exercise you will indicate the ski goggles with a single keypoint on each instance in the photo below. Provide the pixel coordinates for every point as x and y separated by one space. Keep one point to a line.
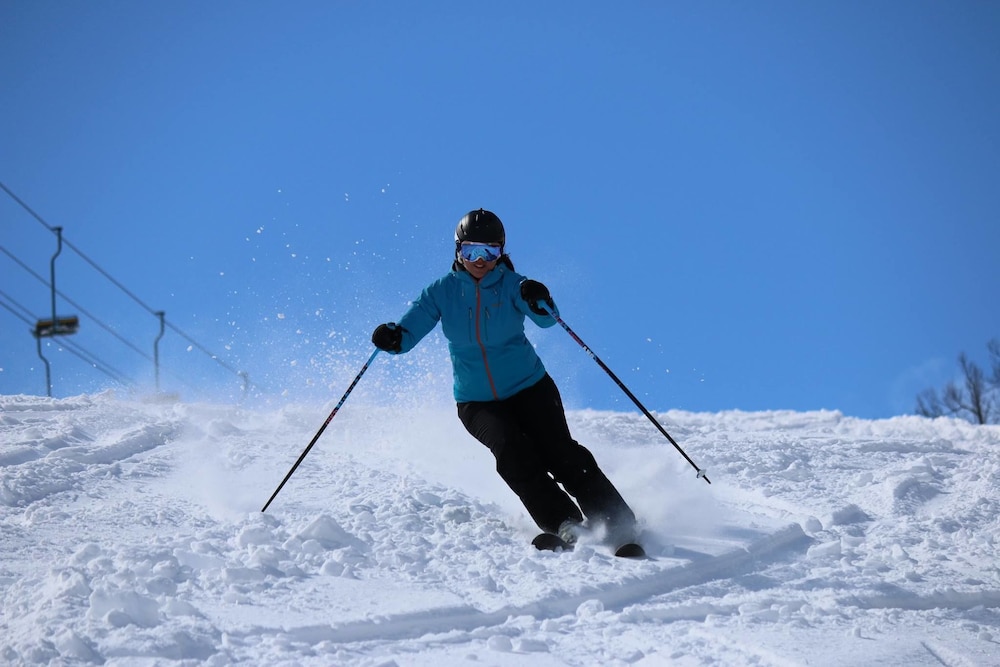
470 252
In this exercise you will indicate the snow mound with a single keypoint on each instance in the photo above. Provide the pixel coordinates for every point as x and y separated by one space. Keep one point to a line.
132 534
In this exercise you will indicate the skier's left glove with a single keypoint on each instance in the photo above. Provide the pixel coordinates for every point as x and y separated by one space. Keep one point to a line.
388 337
532 292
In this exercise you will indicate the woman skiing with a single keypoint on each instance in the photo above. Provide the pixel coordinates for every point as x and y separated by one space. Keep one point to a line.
506 399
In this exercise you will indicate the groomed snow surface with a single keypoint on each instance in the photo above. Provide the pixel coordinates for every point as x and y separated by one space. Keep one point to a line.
131 534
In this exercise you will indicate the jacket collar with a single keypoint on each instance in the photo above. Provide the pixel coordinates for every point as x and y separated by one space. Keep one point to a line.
488 280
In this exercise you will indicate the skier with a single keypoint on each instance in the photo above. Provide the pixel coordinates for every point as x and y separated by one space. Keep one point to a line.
505 397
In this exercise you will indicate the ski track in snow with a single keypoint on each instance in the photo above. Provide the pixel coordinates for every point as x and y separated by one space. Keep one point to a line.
132 534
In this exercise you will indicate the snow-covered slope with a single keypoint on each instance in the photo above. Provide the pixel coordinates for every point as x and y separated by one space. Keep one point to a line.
132 534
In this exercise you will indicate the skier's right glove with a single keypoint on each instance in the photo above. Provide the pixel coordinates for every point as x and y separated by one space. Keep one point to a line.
388 337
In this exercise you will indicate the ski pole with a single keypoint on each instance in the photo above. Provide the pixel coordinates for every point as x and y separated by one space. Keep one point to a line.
322 428
701 473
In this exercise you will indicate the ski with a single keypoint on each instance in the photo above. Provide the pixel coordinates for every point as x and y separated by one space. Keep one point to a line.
551 542
630 550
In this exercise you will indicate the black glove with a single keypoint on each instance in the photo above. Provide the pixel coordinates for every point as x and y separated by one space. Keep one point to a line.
388 337
533 291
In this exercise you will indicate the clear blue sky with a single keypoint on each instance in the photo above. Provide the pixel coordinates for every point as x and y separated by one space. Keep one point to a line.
768 205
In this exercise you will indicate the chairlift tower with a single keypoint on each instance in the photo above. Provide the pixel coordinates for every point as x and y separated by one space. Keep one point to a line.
54 326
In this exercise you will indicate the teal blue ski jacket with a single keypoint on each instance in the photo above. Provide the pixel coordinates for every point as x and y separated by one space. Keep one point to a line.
491 357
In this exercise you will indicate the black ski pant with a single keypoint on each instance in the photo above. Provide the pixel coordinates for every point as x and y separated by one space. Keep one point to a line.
535 454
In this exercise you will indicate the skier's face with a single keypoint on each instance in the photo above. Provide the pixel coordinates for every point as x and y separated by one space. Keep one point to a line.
479 258
478 268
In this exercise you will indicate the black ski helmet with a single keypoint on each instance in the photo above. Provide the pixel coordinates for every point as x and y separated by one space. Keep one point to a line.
480 226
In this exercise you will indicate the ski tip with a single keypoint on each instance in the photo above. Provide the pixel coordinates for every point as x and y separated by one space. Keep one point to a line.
630 550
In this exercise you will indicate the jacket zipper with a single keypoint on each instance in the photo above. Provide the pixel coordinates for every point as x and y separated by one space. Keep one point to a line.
479 340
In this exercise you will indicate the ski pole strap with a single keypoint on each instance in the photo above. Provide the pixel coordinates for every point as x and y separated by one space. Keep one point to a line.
621 385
